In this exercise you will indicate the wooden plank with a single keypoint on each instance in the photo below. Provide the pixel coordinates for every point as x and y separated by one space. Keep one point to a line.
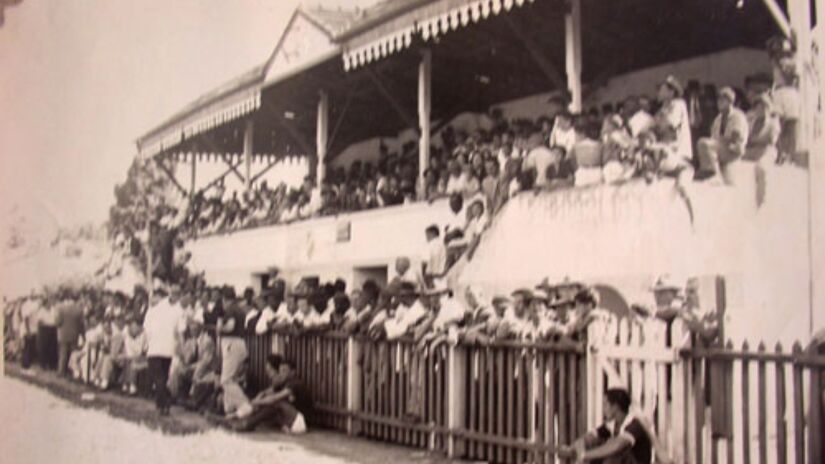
781 430
521 402
798 408
475 396
763 416
699 408
552 406
662 423
746 424
439 394
500 419
571 396
562 401
511 404
815 432
394 398
581 388
541 395
485 405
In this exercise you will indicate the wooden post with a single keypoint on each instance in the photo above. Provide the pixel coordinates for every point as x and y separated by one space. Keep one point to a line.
248 134
573 53
456 389
353 382
322 136
424 107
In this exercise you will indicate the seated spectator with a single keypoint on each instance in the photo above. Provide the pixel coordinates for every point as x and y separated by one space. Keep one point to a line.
616 143
587 155
764 131
112 355
457 182
672 126
477 222
183 363
454 230
135 347
563 133
233 357
539 158
624 438
638 120
729 135
284 404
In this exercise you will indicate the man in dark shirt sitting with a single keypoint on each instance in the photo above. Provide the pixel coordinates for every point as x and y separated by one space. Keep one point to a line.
622 439
284 404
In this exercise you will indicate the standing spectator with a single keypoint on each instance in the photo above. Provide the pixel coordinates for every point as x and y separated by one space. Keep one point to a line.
70 326
672 121
162 324
28 314
47 335
729 134
764 131
234 355
563 134
434 259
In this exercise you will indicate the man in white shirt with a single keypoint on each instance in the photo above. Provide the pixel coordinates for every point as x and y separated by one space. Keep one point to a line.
163 325
638 120
539 158
409 312
434 258
563 133
457 182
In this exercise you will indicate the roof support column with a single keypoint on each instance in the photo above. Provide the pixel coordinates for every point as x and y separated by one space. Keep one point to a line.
248 133
573 53
322 136
424 108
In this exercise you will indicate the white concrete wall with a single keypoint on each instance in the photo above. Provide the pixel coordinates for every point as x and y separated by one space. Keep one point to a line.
310 248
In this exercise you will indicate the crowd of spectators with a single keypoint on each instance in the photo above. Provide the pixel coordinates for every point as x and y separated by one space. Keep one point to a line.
188 344
693 132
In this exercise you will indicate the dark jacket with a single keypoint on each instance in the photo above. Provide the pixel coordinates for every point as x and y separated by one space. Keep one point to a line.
70 323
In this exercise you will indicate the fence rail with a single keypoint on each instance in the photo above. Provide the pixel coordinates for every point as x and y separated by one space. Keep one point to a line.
514 402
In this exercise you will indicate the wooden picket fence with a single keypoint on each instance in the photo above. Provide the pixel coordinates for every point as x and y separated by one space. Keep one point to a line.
711 405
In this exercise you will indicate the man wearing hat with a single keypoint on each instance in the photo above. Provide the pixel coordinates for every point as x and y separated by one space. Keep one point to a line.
729 136
764 132
409 312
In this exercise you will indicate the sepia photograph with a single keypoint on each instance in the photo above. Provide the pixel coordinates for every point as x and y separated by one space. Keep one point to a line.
412 231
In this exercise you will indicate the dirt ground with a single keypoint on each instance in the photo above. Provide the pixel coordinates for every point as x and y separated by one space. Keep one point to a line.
59 418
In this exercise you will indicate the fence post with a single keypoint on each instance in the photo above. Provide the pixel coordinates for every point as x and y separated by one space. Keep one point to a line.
353 383
456 396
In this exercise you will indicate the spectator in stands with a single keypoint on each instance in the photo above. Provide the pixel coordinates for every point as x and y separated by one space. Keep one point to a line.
539 158
28 314
637 119
764 132
563 133
785 95
623 437
729 135
284 404
477 222
409 311
672 121
434 258
82 360
454 229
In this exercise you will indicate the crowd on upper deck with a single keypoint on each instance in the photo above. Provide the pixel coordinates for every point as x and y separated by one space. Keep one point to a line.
696 131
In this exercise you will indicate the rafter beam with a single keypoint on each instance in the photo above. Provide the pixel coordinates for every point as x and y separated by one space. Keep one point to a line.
170 175
289 127
341 116
219 178
233 167
545 65
405 116
265 170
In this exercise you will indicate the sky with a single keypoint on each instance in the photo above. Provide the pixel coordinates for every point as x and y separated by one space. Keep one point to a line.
80 80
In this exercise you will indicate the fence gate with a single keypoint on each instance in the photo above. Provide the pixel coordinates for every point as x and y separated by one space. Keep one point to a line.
644 358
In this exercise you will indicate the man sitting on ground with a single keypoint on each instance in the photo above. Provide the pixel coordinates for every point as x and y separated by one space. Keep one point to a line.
284 404
623 438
